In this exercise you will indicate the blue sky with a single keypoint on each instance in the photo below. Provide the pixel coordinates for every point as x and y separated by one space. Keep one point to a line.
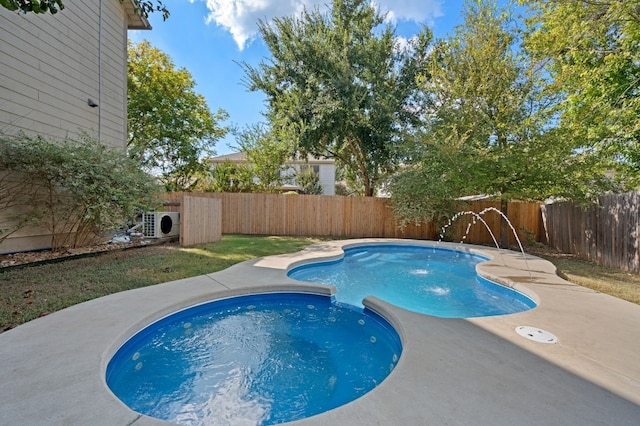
210 37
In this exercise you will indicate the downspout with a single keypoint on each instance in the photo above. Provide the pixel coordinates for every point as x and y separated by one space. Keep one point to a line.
100 72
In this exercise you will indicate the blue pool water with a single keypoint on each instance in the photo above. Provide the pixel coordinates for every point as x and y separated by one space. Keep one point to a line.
427 280
254 360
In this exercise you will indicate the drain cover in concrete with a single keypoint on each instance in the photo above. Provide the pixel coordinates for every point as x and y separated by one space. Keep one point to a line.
535 334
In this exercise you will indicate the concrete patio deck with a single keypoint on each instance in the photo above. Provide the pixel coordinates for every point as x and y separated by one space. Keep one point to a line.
452 371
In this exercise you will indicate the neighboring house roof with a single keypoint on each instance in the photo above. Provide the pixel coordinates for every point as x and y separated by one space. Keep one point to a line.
134 20
477 197
236 157
241 157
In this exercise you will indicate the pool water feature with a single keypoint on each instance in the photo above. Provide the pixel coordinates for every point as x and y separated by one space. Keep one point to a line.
428 280
256 359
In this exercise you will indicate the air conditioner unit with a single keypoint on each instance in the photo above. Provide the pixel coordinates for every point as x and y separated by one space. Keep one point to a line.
161 224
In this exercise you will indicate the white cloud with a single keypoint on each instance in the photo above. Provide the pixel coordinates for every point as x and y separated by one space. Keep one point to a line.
240 17
402 43
411 10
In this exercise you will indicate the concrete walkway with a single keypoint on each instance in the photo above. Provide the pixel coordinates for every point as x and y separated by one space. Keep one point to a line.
451 372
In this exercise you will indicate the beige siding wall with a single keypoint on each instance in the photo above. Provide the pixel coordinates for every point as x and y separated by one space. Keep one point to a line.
50 65
327 178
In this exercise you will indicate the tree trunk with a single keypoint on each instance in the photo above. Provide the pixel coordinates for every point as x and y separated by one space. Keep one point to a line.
368 186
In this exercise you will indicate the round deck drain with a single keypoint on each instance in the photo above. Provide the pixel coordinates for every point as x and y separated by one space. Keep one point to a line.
536 334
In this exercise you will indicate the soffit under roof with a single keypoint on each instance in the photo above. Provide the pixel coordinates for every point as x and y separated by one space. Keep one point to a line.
134 20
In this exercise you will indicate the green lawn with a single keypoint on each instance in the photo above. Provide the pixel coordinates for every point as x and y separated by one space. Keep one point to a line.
34 291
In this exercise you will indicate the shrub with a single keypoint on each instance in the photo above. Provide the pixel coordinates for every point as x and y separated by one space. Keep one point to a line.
309 181
76 189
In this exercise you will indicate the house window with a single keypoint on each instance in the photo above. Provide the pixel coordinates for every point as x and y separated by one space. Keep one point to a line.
288 175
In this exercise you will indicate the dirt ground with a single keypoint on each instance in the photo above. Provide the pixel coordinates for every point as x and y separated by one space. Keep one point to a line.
42 256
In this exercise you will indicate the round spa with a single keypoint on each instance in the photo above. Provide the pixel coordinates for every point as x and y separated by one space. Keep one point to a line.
257 359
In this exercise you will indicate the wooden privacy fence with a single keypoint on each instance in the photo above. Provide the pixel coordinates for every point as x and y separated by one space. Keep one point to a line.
606 233
200 220
352 217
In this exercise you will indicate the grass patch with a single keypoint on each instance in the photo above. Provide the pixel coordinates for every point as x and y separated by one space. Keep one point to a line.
617 283
35 291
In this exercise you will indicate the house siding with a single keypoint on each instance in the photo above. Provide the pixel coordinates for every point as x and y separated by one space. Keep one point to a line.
326 175
327 179
50 65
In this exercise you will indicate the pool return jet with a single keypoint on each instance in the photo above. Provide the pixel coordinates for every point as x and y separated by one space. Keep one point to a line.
529 332
478 216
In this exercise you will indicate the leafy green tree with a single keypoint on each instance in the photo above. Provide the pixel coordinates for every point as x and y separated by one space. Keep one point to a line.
266 154
227 177
490 130
35 6
144 7
171 128
433 177
309 181
592 51
341 86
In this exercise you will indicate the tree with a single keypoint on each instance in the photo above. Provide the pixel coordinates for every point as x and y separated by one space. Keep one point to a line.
309 181
267 155
592 51
227 177
145 7
35 6
341 86
490 130
171 127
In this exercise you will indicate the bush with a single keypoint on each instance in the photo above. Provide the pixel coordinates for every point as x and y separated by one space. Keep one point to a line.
309 181
76 189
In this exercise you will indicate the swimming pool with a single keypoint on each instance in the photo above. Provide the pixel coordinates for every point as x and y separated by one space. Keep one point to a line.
258 359
429 280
